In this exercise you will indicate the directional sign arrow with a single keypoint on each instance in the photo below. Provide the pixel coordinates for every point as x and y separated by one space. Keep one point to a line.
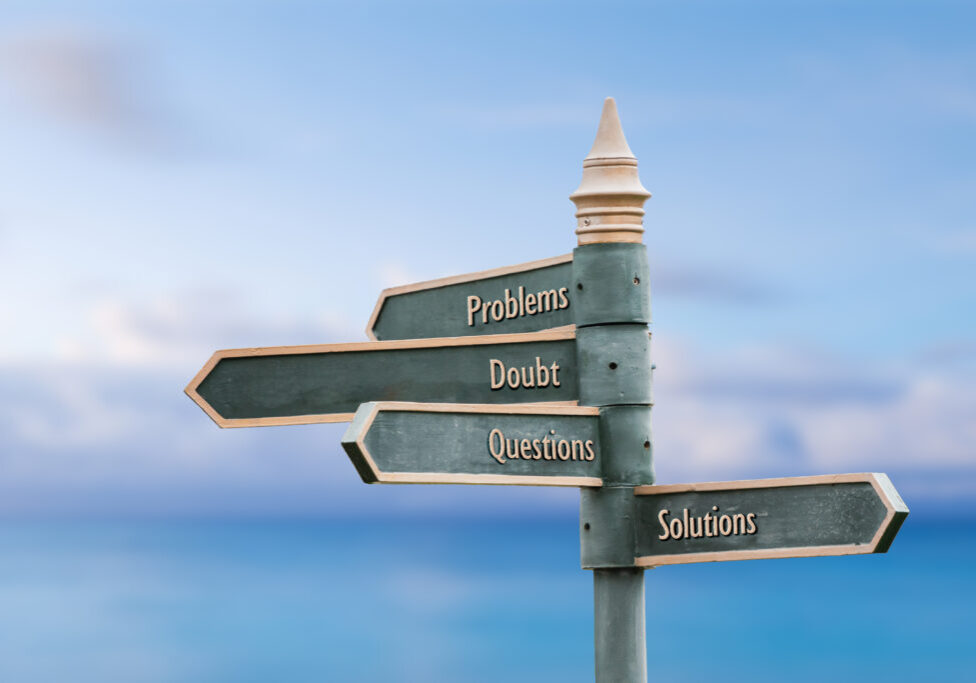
836 514
454 443
289 385
524 298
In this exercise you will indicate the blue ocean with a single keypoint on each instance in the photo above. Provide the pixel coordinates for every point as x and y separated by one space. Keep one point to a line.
434 599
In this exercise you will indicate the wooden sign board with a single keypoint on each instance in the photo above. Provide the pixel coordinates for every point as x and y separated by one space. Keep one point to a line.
289 385
837 514
525 298
449 443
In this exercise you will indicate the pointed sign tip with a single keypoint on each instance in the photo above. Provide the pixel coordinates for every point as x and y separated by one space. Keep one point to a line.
610 142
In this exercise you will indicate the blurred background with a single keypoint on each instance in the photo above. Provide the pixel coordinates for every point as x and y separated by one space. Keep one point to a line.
186 176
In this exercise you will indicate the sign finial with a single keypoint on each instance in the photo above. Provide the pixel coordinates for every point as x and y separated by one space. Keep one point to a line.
610 198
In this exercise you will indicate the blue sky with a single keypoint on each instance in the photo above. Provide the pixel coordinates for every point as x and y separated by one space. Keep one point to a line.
181 177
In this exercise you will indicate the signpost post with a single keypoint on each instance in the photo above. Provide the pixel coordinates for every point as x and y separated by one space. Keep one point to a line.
540 374
611 278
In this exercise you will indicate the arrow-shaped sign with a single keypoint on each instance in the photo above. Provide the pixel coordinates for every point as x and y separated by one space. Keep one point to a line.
289 385
452 443
836 514
524 298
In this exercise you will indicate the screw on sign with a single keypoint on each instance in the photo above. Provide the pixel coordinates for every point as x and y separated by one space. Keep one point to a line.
540 374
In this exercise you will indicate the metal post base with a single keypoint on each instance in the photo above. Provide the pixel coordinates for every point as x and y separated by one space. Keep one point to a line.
618 617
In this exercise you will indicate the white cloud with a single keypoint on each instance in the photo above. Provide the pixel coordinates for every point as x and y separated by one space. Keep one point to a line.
394 275
928 424
185 328
952 242
81 77
112 431
780 412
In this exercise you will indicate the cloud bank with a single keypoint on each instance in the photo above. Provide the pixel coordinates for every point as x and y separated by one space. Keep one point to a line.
104 429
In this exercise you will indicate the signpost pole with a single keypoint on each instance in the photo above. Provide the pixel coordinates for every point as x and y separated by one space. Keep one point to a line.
618 614
612 312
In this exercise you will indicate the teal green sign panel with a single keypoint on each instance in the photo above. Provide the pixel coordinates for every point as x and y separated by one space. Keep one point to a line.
838 514
326 383
450 443
525 298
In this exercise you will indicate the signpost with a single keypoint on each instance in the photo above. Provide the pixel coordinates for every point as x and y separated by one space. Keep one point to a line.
525 298
464 388
453 443
290 385
835 514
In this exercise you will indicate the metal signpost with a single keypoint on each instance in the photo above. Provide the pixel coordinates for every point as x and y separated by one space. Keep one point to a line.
836 514
446 443
540 374
524 298
289 385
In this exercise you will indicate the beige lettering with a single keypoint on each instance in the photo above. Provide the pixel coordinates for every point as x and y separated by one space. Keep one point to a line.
513 378
497 310
539 369
664 525
515 304
500 455
547 300
574 443
511 305
526 377
472 309
555 369
711 525
563 453
503 448
511 448
493 364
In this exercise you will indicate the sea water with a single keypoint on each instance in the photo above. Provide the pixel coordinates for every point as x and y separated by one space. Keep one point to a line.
428 599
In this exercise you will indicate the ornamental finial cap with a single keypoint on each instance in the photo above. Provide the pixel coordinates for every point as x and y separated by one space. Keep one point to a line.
610 198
